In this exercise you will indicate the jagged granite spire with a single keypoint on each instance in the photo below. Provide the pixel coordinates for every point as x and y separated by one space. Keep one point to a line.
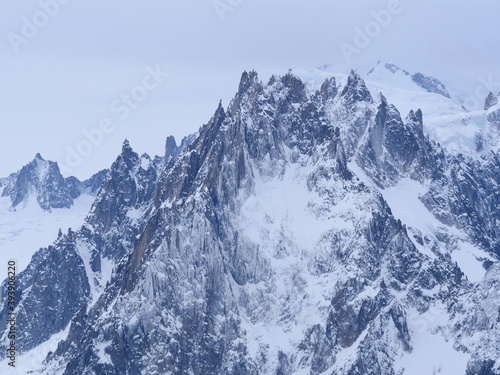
170 148
248 79
329 89
355 89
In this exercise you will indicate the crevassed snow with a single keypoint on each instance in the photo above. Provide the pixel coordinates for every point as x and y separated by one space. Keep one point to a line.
445 120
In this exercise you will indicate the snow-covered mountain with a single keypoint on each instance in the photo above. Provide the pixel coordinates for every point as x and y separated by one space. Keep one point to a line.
42 181
319 224
456 118
35 203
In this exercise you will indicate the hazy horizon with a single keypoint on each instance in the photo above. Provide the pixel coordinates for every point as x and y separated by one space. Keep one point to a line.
69 68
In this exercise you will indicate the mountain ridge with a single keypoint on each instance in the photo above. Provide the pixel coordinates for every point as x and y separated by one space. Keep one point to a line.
43 180
263 227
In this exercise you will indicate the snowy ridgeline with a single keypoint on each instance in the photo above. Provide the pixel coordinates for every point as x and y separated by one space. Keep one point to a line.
314 226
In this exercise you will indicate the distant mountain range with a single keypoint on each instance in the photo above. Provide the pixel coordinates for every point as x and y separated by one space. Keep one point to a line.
42 181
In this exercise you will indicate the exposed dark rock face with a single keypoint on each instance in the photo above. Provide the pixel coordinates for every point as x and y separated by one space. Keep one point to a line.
41 180
94 183
466 195
170 148
394 68
51 291
490 101
430 84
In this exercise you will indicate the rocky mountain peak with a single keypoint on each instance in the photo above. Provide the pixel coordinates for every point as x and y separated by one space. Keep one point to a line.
430 84
355 89
415 120
295 87
329 89
248 80
127 149
170 147
41 180
490 101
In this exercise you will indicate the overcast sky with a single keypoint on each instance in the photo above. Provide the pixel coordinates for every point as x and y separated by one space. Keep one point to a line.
81 71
